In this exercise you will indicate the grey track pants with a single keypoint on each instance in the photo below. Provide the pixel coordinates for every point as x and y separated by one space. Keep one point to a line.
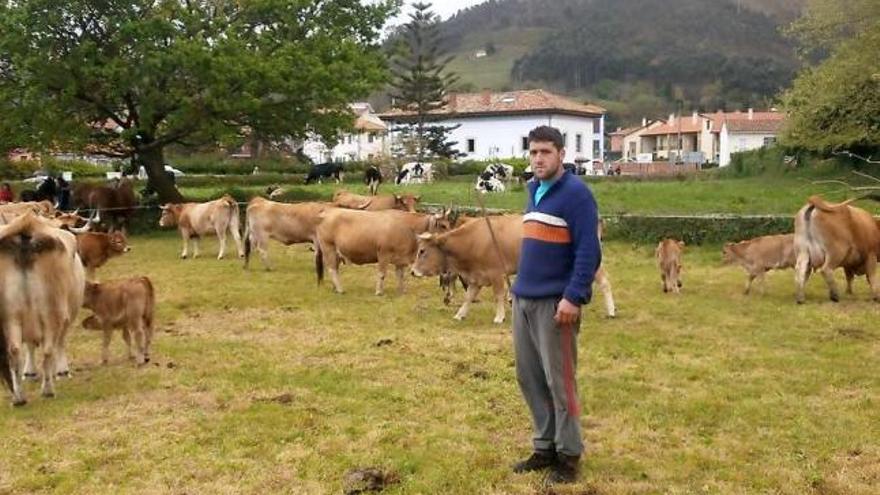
546 360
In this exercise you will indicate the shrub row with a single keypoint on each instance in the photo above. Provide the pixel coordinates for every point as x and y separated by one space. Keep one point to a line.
694 230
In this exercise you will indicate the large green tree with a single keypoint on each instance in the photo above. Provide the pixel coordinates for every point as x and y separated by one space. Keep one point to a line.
835 103
420 78
134 76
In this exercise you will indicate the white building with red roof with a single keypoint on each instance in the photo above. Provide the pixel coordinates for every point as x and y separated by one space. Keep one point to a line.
497 125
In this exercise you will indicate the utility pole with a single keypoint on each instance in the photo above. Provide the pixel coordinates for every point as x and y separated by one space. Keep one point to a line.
680 104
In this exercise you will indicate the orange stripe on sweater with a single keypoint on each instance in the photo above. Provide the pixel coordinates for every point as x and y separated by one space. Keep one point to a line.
547 233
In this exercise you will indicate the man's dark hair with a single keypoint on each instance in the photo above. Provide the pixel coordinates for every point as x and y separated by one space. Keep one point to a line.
546 133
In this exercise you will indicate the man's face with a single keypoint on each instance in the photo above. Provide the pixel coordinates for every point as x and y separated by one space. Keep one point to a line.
545 159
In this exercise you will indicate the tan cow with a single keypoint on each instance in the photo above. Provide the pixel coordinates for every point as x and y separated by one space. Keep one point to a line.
127 304
96 248
470 252
829 236
405 202
195 220
40 294
760 255
287 223
9 211
366 237
668 254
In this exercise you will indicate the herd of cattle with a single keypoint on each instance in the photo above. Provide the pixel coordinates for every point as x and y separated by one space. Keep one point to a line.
48 260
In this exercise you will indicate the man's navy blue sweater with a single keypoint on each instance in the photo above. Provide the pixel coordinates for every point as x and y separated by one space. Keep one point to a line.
560 249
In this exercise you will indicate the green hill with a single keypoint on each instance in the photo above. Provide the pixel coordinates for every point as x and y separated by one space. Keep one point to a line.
636 57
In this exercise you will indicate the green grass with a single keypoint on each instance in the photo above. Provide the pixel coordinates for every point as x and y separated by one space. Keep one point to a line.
493 71
262 382
753 195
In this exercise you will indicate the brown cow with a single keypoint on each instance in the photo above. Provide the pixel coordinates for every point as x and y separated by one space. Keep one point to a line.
365 237
127 304
760 255
470 252
96 248
405 202
284 222
829 236
195 220
668 254
41 292
116 202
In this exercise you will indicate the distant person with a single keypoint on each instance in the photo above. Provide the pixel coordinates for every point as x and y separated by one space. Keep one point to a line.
63 188
6 195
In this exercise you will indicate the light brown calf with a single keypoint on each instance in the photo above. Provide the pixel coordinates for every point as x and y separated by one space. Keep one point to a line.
668 254
759 255
284 222
96 248
127 304
405 202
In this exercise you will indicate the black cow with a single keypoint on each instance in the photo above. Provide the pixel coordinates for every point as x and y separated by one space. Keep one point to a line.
372 178
323 171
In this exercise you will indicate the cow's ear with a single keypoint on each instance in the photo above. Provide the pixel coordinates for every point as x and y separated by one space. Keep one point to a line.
164 207
681 244
397 197
426 236
417 198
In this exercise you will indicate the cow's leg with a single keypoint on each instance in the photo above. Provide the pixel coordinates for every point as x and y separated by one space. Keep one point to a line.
13 349
62 366
49 355
236 236
30 362
469 297
850 275
802 273
401 281
126 335
140 342
90 274
331 261
605 286
107 336
663 281
185 252
381 270
195 242
827 271
871 275
221 238
500 292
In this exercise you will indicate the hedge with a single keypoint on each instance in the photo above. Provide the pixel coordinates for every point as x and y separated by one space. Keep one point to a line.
695 230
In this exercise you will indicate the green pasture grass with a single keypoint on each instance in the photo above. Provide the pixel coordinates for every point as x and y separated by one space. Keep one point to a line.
756 195
263 382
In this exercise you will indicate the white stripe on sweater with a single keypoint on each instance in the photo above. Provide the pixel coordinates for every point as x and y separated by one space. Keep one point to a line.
545 218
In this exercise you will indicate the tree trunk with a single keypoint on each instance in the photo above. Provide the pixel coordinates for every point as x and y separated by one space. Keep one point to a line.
154 163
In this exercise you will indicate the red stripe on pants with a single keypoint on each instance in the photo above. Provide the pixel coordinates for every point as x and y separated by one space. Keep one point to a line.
568 371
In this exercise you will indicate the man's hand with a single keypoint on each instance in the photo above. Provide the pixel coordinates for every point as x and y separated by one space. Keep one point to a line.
566 312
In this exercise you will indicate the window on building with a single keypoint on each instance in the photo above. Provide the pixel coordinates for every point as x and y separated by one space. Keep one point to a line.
769 141
525 143
370 137
565 140
471 145
597 126
596 148
578 145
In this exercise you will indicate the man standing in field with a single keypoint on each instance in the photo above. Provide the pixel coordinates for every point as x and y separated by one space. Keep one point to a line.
560 255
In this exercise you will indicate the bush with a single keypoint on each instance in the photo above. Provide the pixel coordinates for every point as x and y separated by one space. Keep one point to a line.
695 230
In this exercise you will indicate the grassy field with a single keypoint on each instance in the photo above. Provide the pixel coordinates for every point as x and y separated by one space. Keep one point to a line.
755 195
261 383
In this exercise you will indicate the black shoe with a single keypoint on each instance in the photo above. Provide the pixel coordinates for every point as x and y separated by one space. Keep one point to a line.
565 470
540 459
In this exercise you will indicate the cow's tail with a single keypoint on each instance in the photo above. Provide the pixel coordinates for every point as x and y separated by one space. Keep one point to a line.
247 236
319 262
151 303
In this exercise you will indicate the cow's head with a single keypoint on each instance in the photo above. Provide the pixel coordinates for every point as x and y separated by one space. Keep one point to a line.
732 251
170 215
406 202
430 258
71 221
118 243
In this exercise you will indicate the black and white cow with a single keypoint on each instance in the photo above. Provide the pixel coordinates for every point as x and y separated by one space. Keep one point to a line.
323 171
500 171
487 182
415 173
372 178
527 174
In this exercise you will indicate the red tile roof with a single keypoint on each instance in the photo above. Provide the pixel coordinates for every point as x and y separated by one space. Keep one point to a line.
688 125
511 102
